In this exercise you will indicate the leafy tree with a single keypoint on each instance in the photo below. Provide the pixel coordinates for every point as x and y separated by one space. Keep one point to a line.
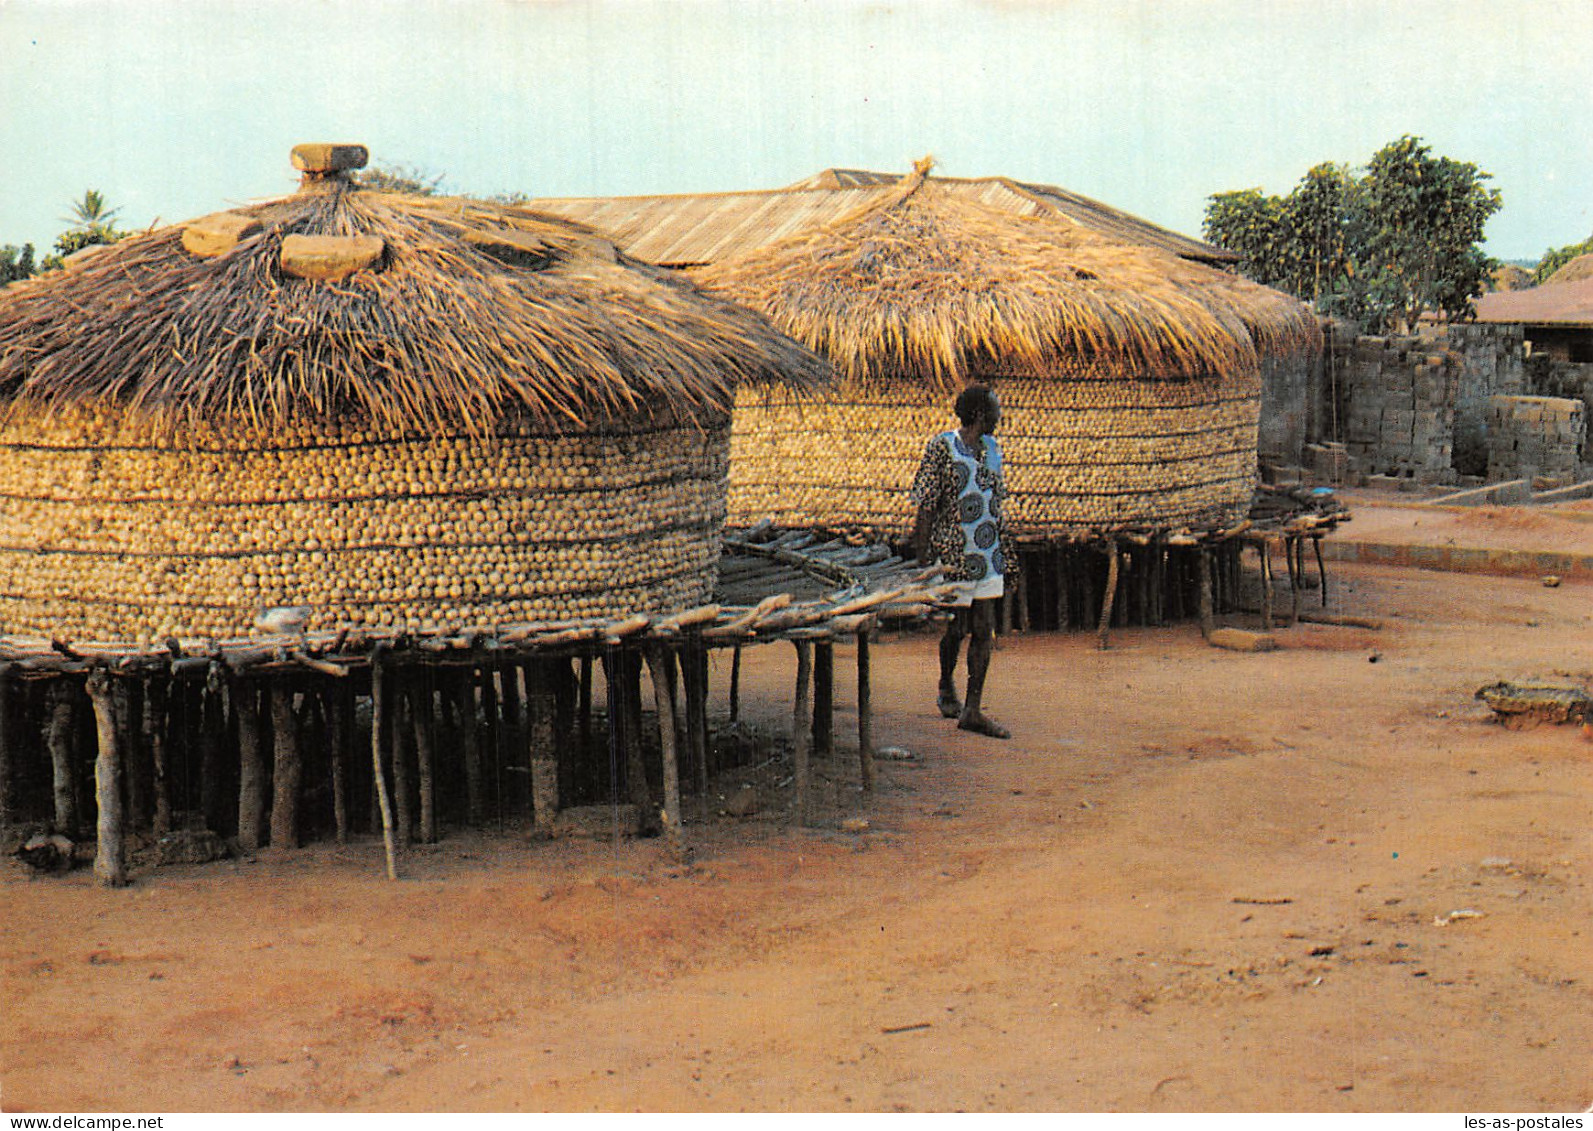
1384 247
404 179
92 222
15 263
1556 258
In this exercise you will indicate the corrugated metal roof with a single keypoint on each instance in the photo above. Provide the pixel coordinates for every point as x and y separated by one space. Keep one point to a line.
1553 304
691 229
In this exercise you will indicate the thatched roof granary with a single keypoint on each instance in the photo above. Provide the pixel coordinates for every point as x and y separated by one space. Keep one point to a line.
1131 376
383 409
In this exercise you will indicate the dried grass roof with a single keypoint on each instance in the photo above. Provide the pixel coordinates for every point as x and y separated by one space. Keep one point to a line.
927 283
473 312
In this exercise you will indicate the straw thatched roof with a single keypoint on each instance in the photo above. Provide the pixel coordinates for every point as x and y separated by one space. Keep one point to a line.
1575 271
926 282
465 312
694 229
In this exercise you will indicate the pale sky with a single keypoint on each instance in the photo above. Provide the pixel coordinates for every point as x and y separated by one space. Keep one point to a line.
176 108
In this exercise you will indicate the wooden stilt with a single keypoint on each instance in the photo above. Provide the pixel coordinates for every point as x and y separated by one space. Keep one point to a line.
59 738
823 699
583 708
1108 599
212 741
340 726
801 728
1208 621
380 724
469 724
1290 552
1264 550
865 713
694 683
1321 569
287 771
735 685
1059 561
641 793
663 677
156 701
125 698
403 755
1020 601
542 743
252 779
110 855
512 704
8 743
492 739
423 717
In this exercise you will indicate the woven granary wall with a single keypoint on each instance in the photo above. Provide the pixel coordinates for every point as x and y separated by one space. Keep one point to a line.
1088 452
109 533
1397 407
1536 438
1492 365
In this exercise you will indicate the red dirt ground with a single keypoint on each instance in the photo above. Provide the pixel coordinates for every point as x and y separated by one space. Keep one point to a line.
1195 880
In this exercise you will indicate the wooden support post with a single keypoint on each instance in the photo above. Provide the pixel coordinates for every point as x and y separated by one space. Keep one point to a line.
1104 627
469 724
156 702
212 740
1291 547
8 743
125 698
583 708
512 704
801 728
251 765
1208 622
403 755
641 793
491 736
287 770
823 699
1020 596
110 854
865 714
542 743
380 724
58 737
1321 569
340 727
735 685
423 712
1264 549
1060 564
663 676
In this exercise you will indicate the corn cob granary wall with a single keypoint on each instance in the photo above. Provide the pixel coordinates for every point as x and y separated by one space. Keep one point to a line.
1087 452
112 531
1130 381
377 409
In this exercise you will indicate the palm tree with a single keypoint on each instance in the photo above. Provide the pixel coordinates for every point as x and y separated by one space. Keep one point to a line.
90 213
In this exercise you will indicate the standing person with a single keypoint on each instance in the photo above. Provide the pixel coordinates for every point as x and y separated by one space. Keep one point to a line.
960 495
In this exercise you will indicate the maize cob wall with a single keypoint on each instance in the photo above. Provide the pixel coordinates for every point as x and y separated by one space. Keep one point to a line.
109 534
1085 451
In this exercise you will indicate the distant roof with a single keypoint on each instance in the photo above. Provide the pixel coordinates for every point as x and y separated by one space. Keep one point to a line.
693 229
1553 304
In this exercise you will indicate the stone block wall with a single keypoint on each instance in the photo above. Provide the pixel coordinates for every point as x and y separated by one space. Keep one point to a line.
1291 392
1493 364
1396 406
1537 438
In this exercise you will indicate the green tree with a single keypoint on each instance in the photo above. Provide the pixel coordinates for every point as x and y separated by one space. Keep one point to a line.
1383 248
92 222
1557 257
404 179
15 263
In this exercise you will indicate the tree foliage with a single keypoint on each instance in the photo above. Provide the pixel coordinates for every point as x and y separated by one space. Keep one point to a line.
405 179
15 263
1382 247
1557 257
92 222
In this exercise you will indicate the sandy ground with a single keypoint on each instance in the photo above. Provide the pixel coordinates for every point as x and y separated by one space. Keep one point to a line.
1318 879
1380 516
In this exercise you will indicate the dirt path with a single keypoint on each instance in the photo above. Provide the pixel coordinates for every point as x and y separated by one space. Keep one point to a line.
1196 880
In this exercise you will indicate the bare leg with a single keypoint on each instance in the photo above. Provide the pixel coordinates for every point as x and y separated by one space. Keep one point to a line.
950 647
981 641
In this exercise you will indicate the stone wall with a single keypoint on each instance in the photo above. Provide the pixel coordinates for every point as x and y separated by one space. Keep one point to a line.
1493 365
1536 438
1291 397
1395 406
